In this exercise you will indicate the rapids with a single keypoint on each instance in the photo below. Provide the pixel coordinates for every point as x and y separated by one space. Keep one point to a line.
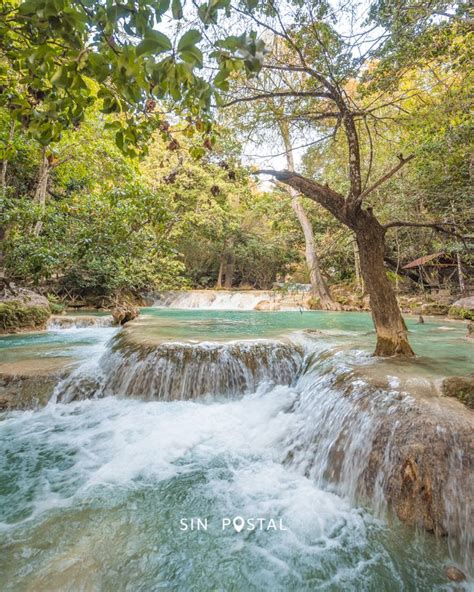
212 415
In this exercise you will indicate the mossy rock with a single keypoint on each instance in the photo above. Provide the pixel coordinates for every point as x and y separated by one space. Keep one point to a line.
16 316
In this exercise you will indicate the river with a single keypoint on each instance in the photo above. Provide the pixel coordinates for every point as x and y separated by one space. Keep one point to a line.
166 431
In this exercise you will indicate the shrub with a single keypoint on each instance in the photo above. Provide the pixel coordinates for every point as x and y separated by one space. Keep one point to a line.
461 313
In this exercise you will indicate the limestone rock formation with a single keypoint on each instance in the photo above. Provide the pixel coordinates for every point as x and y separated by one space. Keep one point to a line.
463 308
22 310
460 387
434 308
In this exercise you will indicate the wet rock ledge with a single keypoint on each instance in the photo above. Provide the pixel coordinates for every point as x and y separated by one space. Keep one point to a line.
30 384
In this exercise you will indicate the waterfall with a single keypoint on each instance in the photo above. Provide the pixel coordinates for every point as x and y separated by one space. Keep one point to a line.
213 300
177 371
59 323
397 452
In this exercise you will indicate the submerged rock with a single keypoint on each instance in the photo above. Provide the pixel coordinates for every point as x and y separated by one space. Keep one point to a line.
26 385
454 574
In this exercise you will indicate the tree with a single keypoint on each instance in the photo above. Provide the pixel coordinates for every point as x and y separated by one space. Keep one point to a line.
318 283
272 118
52 56
220 216
327 65
59 57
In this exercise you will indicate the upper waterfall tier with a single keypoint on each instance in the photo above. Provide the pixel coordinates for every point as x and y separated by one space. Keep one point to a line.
231 300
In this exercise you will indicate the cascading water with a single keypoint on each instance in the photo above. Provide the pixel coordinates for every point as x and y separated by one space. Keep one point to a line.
383 446
213 300
308 442
174 371
59 323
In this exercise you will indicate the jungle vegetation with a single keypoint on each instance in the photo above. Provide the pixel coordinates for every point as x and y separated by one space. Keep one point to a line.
124 127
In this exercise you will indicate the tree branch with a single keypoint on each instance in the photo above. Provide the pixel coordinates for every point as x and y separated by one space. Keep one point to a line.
398 223
402 162
331 200
439 226
271 95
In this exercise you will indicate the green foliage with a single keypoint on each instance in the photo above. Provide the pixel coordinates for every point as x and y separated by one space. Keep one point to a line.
55 304
457 312
114 225
60 57
393 277
90 82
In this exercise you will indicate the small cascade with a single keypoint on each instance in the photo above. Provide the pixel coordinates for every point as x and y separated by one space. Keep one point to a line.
213 299
398 452
182 371
59 322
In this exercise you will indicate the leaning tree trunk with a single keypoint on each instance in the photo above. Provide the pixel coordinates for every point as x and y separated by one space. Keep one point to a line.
319 287
392 337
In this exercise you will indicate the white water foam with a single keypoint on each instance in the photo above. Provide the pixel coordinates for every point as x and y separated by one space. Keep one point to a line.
213 300
215 460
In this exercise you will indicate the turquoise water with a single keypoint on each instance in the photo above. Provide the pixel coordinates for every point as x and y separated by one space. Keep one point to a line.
93 493
69 343
441 345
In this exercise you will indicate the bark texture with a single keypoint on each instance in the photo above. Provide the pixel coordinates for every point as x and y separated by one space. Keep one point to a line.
319 286
391 330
